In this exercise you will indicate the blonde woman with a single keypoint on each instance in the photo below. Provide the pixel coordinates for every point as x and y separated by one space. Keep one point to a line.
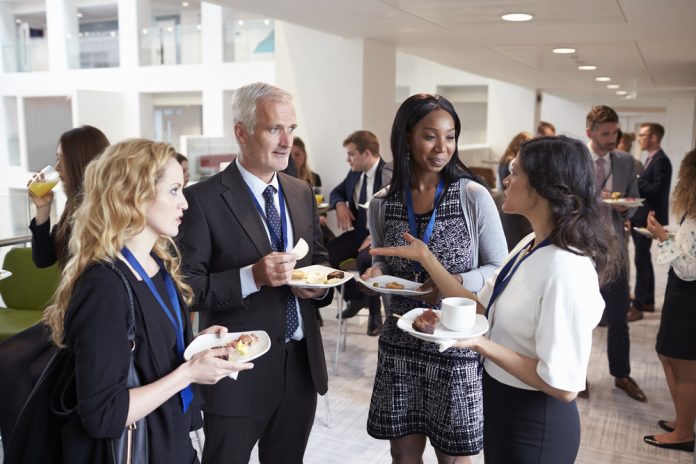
132 206
676 345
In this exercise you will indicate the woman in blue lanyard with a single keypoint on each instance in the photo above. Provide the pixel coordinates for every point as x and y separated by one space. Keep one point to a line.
132 207
421 394
676 344
541 305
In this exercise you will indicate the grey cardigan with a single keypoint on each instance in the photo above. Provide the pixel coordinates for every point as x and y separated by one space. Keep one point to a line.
482 220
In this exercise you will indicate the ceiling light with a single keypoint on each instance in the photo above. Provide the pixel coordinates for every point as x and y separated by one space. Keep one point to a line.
613 86
602 79
621 92
79 15
18 21
517 17
240 22
184 4
564 51
144 31
267 22
587 67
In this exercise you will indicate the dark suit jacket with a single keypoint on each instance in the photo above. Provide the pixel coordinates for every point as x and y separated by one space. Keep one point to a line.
344 190
624 181
653 183
222 233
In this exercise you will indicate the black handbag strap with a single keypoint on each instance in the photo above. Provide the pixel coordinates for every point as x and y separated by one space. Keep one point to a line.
131 314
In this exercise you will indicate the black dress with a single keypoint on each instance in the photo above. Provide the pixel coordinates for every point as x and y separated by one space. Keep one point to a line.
675 337
95 327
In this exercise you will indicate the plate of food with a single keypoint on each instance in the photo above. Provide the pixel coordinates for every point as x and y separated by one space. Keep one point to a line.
646 233
627 201
248 345
4 274
425 324
318 276
393 286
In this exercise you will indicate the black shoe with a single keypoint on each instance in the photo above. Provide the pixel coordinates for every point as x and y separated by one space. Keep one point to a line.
354 306
682 446
586 392
374 325
664 425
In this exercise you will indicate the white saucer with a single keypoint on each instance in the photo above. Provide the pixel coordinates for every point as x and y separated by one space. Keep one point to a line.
441 334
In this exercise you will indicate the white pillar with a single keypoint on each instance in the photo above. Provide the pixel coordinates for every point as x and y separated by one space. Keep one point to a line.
61 22
379 91
211 35
133 17
213 112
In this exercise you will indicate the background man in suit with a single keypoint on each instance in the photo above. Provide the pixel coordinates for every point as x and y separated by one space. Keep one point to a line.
368 174
614 173
234 241
653 184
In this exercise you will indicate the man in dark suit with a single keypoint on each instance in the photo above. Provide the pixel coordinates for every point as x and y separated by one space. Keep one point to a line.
235 239
614 172
653 184
368 174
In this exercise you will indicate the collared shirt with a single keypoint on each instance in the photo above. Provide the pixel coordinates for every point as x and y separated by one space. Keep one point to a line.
257 187
607 168
370 184
650 157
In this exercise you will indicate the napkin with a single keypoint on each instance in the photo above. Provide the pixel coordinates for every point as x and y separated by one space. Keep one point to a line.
445 344
233 375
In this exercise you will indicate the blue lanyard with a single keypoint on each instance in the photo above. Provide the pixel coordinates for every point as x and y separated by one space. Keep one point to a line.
283 220
509 270
186 393
412 215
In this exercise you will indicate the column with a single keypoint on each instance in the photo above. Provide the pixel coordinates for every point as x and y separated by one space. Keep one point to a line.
62 27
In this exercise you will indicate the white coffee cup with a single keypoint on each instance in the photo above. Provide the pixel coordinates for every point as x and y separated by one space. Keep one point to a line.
458 313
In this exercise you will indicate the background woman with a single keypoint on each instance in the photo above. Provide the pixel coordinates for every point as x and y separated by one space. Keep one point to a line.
132 206
541 305
515 226
76 148
510 152
420 392
676 344
298 152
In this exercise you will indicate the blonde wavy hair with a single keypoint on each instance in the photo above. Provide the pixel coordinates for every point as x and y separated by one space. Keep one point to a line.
119 186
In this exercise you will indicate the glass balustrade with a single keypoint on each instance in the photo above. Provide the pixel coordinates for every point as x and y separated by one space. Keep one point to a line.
170 45
94 50
25 56
249 40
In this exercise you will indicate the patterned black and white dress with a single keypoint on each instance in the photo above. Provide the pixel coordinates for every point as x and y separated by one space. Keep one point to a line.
417 388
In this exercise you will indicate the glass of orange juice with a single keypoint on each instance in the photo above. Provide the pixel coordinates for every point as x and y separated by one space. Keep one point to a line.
317 195
44 181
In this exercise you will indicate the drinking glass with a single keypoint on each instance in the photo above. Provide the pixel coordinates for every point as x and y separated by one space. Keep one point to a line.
44 181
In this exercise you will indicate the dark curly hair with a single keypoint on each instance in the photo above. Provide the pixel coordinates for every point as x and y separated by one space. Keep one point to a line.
560 169
411 111
684 196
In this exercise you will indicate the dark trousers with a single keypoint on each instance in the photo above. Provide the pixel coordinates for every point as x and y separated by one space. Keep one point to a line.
344 247
282 431
525 426
616 305
644 291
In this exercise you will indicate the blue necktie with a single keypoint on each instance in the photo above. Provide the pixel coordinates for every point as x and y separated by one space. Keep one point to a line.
273 219
361 221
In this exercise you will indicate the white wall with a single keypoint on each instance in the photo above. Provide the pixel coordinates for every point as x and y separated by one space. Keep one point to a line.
45 119
568 116
90 107
510 111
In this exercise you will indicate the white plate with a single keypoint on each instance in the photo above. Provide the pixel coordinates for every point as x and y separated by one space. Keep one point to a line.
441 334
646 233
411 288
207 341
4 274
631 203
315 273
323 205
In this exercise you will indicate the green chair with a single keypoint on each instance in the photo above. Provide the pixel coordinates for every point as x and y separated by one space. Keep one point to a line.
26 292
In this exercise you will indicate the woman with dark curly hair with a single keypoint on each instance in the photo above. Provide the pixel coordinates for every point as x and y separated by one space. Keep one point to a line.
676 345
541 305
420 392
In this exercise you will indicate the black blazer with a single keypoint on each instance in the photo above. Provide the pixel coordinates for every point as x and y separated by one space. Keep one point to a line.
96 333
653 184
222 233
344 190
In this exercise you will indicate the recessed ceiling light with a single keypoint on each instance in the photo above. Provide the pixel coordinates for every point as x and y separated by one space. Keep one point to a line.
587 67
240 22
184 4
517 17
613 86
267 22
564 51
79 15
621 92
18 21
602 79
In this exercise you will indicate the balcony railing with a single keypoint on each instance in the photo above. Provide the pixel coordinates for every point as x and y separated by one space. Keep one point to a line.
25 56
94 50
249 40
168 45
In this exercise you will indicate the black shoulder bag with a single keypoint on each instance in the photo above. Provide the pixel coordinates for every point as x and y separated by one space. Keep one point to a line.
48 429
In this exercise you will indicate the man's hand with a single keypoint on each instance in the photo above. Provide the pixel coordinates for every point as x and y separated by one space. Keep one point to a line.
306 293
344 216
274 269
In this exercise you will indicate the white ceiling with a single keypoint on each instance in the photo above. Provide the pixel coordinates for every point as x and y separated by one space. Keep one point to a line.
648 47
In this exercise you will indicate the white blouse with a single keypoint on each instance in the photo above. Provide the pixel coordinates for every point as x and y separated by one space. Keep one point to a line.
547 312
680 251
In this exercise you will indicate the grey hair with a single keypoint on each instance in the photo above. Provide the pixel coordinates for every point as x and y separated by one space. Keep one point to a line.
245 98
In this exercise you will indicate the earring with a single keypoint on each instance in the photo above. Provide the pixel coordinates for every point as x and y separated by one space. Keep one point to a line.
408 156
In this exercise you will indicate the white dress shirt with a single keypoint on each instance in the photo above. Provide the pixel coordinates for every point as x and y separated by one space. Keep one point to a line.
370 184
